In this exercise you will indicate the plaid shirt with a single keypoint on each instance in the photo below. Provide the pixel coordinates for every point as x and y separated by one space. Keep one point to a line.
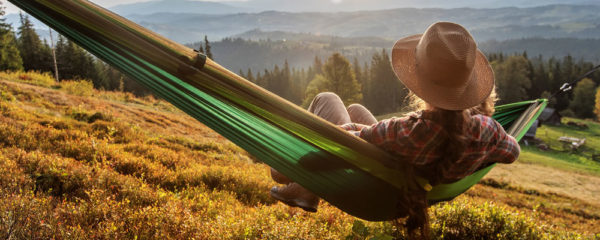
421 142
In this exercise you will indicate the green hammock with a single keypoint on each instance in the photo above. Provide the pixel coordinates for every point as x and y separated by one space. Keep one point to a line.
366 182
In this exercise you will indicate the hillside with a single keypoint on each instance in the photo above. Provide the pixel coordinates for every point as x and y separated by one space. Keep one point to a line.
103 165
553 21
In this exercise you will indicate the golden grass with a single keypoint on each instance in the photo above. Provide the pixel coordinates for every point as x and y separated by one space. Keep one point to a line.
99 167
32 77
83 88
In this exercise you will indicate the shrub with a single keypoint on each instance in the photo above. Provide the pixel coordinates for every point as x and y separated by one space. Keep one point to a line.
5 95
115 132
79 114
24 216
32 77
82 115
83 88
169 158
12 178
460 219
100 116
567 113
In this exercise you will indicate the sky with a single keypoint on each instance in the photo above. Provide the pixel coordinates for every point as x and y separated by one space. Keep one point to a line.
10 8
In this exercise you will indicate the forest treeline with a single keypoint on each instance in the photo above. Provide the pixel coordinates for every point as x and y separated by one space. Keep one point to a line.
373 83
518 78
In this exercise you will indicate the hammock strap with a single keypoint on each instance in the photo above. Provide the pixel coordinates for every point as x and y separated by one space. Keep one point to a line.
569 85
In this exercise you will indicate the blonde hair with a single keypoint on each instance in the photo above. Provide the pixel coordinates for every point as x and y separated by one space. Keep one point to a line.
485 108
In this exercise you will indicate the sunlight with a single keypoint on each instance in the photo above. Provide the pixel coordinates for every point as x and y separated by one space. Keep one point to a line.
336 1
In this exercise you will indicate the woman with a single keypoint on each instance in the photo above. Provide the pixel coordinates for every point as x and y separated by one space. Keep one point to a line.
450 136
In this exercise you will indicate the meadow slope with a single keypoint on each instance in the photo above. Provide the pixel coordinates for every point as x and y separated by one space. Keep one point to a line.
99 165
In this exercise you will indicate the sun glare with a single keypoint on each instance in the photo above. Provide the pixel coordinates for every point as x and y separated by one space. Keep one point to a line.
336 1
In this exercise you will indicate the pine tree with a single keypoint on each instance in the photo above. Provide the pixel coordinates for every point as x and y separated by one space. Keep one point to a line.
358 72
35 55
583 99
539 78
208 48
512 79
366 74
343 82
557 78
385 93
597 107
298 85
10 58
250 76
317 66
286 81
76 63
259 79
337 77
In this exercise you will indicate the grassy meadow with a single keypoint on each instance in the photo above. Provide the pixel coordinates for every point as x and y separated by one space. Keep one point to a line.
561 156
78 163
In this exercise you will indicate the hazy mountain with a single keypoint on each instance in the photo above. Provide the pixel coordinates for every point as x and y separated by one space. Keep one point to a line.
555 21
194 6
177 6
586 49
359 34
361 5
259 35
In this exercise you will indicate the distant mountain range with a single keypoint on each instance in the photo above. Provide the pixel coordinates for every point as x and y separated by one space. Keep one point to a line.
552 30
254 6
178 6
362 5
554 21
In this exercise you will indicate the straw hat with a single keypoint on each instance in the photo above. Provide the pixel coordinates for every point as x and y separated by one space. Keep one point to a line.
444 67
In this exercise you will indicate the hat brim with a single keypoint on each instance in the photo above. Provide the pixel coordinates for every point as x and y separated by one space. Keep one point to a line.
477 89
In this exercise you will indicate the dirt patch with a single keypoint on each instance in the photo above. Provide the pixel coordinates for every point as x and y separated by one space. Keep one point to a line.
546 179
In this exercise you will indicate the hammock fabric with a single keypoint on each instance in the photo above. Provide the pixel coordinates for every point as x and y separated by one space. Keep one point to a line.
365 182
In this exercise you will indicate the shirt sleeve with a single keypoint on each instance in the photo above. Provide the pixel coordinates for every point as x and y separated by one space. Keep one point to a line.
384 134
376 133
507 148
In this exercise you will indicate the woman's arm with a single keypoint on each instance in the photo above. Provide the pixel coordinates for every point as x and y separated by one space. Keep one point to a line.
507 148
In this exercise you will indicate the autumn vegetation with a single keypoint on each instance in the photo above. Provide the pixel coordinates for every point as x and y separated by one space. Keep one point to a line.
96 156
110 165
